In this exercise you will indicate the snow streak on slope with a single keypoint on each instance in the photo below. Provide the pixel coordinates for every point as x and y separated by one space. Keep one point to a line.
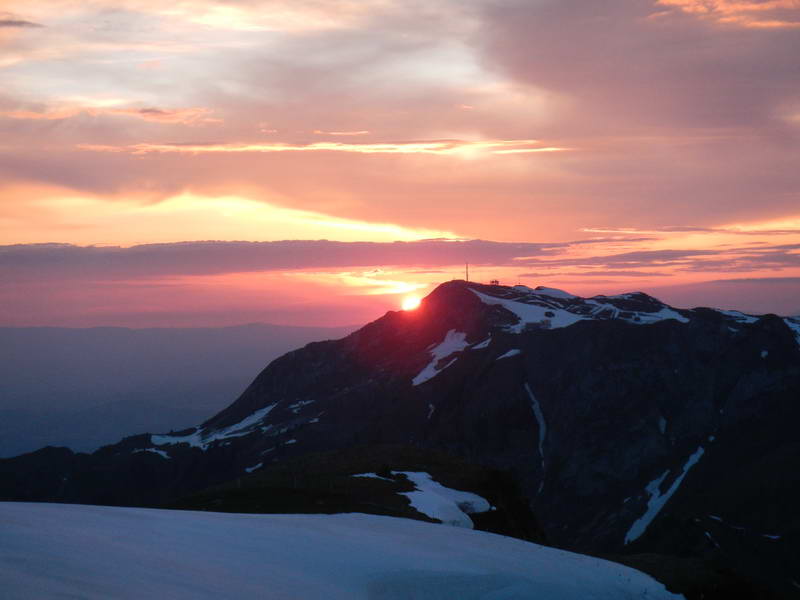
103 553
793 323
204 438
454 341
161 453
451 507
657 500
537 411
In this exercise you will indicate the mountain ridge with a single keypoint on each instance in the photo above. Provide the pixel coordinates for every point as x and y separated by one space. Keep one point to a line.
624 421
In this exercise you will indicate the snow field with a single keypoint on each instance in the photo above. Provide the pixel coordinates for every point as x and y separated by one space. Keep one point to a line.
95 552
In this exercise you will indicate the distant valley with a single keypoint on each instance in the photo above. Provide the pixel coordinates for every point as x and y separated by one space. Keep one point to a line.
83 388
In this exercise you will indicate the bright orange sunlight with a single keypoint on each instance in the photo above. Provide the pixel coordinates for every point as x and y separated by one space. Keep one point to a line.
411 302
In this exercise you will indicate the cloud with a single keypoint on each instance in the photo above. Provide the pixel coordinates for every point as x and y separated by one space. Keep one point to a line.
57 261
10 20
601 273
17 23
66 261
441 147
672 121
361 132
692 229
183 116
769 14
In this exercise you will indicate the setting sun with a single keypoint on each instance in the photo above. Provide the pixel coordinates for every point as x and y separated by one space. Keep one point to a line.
411 302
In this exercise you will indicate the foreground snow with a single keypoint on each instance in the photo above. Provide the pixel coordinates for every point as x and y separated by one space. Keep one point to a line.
52 550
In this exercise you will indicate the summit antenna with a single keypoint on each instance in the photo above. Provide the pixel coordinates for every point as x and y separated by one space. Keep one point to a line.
467 272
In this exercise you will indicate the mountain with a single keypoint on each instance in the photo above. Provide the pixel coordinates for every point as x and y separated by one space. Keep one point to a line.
84 388
663 437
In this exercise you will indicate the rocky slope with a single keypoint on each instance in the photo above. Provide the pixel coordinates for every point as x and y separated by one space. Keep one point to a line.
632 428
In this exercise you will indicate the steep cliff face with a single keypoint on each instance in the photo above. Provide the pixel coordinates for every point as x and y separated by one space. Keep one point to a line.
631 427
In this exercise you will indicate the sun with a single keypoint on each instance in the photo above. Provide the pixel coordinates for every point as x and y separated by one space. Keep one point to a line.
411 302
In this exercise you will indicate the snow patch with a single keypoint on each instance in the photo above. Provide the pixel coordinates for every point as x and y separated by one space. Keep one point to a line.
202 439
739 317
100 552
793 323
554 292
454 341
764 353
451 507
553 311
510 353
662 424
254 467
531 313
657 500
295 408
431 408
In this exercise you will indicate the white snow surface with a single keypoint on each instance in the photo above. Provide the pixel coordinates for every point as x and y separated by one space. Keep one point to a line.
451 507
513 352
111 553
531 313
454 341
566 309
554 292
657 500
254 467
738 316
203 438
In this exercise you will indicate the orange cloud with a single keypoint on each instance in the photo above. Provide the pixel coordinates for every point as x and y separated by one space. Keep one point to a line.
183 116
746 13
320 132
410 147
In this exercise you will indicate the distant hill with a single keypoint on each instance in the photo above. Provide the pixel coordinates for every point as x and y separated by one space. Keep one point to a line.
83 388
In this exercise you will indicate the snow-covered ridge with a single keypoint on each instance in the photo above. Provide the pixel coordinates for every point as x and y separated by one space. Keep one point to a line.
110 552
550 308
793 323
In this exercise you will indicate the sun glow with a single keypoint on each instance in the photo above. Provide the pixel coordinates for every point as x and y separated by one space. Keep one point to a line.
411 302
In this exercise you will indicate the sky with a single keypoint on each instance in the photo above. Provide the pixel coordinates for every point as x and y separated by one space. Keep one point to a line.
315 162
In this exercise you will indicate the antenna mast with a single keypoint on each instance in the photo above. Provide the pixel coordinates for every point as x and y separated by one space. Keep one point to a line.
468 272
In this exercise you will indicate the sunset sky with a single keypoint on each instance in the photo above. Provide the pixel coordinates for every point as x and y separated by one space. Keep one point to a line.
213 162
